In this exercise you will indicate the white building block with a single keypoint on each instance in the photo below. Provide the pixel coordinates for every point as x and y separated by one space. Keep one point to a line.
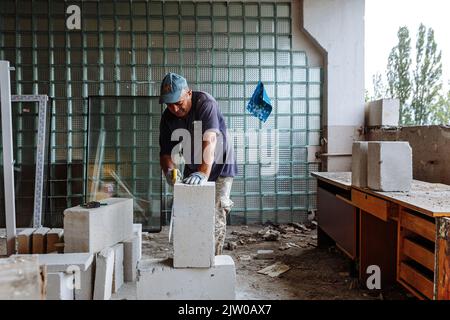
384 112
92 230
20 278
104 268
389 165
60 286
359 164
193 225
79 264
158 280
130 258
137 231
118 267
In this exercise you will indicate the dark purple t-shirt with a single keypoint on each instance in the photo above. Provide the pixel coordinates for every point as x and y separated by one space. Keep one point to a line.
204 111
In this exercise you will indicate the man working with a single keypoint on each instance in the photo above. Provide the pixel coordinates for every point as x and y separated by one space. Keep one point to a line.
212 158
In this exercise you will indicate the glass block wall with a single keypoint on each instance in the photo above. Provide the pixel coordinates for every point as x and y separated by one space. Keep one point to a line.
124 48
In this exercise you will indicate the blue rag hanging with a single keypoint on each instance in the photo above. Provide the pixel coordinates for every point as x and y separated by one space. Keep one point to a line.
260 105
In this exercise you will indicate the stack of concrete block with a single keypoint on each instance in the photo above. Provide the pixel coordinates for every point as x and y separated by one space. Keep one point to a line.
382 165
109 233
92 230
389 166
194 272
69 276
383 112
21 278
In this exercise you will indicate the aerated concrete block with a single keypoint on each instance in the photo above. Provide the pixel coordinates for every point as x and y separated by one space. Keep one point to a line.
92 230
389 166
193 225
359 164
24 242
130 258
20 278
158 280
384 112
104 268
60 286
81 265
118 267
137 232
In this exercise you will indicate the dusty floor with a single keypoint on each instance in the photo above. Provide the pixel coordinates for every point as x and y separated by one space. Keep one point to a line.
314 273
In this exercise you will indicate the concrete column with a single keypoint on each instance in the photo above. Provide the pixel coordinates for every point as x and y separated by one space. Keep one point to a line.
337 28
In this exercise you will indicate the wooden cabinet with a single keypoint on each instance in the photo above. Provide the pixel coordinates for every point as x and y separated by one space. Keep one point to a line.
416 253
337 218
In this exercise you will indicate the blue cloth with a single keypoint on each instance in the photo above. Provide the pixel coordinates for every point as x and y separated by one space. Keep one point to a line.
260 105
205 109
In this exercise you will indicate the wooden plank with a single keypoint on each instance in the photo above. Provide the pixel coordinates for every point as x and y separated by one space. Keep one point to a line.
338 179
418 253
418 225
442 276
431 199
24 241
54 236
338 219
378 246
416 280
373 205
39 240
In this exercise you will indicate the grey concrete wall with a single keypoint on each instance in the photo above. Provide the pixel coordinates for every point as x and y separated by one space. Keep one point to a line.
337 29
430 146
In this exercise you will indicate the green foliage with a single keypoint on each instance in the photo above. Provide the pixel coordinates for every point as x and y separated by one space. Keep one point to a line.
440 113
418 87
398 73
427 76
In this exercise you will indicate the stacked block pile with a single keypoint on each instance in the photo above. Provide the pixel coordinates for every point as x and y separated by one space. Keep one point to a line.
194 272
100 251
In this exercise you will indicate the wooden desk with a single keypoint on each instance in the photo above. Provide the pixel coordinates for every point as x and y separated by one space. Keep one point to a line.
407 234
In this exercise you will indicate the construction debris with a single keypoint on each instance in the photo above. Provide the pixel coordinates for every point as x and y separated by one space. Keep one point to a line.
275 269
264 254
271 235
231 245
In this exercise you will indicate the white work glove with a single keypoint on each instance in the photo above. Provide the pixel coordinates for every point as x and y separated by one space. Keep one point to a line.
170 176
196 178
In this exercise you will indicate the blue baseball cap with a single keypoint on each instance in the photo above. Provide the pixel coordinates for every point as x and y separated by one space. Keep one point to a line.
171 88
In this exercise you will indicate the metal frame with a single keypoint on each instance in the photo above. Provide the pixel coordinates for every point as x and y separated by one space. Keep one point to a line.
122 144
8 161
40 152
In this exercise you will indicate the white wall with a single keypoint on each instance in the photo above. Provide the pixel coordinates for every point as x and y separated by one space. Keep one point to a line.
337 28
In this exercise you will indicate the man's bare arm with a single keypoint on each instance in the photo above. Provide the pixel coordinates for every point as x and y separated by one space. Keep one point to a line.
208 149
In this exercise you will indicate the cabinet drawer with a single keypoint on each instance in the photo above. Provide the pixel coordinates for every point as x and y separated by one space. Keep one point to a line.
416 224
373 205
419 253
416 280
